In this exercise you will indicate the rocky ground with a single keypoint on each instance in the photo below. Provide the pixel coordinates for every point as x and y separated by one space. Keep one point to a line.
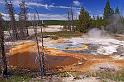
23 55
26 57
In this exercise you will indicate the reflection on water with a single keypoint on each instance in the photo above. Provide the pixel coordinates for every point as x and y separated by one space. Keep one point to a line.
96 46
92 49
63 46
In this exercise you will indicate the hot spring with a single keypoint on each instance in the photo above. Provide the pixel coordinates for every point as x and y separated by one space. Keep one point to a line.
95 42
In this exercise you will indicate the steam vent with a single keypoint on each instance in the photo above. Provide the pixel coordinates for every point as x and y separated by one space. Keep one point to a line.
61 41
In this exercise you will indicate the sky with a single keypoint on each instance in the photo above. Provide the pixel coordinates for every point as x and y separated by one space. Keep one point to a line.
57 9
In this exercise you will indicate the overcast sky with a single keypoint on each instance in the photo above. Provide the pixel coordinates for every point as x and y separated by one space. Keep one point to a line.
57 9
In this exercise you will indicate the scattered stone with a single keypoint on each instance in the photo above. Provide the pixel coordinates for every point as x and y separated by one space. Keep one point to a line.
105 67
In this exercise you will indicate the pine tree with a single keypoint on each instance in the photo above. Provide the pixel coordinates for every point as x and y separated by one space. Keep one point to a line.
108 11
117 11
84 20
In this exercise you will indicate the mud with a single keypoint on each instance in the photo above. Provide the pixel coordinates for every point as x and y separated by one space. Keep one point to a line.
25 56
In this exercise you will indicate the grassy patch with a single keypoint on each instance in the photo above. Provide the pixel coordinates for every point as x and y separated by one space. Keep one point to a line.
63 74
115 76
54 37
63 34
17 78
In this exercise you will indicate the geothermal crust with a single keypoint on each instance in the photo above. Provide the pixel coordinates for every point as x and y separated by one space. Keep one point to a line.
26 57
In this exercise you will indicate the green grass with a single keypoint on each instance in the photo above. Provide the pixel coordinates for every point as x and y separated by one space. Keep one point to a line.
63 74
115 76
104 76
17 78
61 34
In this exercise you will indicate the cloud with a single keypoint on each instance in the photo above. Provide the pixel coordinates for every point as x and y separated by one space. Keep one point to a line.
29 4
6 16
46 5
41 16
48 16
96 13
17 2
63 7
37 4
1 2
14 2
76 3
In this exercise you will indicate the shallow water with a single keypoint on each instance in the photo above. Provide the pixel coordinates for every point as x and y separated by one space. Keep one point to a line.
96 46
63 46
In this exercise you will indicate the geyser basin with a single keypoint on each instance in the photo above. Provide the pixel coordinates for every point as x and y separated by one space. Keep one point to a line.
24 56
96 46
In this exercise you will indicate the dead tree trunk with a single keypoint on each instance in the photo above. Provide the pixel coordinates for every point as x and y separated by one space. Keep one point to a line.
43 56
72 19
12 20
43 70
3 48
69 21
22 20
40 56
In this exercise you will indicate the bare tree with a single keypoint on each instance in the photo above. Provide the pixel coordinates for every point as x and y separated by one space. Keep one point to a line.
72 19
43 56
4 61
40 56
69 21
12 20
23 20
43 71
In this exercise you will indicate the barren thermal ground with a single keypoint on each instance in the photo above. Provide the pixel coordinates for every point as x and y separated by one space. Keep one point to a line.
24 55
61 41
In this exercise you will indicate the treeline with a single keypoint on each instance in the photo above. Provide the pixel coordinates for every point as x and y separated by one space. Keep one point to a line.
82 24
38 22
86 22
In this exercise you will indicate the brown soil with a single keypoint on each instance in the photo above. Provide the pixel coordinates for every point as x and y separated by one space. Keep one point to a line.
25 56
